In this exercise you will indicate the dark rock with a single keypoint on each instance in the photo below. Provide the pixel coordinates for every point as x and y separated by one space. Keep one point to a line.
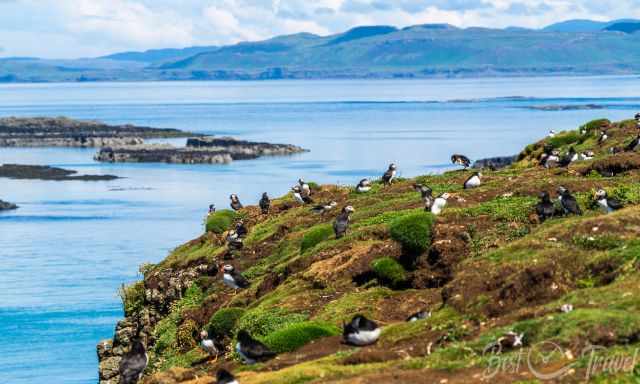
495 162
43 172
5 206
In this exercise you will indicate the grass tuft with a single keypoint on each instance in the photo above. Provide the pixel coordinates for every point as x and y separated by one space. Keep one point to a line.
223 322
389 271
296 335
315 236
221 221
413 231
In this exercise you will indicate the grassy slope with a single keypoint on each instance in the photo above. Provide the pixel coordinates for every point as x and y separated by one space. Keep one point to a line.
490 268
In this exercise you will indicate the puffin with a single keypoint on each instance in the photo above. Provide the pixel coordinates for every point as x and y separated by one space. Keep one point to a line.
633 145
225 377
568 158
236 205
607 203
510 340
637 117
212 209
297 194
420 315
133 363
426 193
545 208
360 331
324 208
461 160
603 137
241 230
473 181
234 241
568 202
232 278
208 344
305 190
363 186
265 203
586 155
549 160
388 176
342 221
566 308
251 350
439 203
552 133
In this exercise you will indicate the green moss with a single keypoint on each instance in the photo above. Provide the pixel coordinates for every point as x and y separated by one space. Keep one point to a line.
413 231
296 335
365 302
184 360
315 236
261 322
132 297
223 322
600 243
508 209
385 217
165 333
389 271
221 221
565 138
595 125
628 194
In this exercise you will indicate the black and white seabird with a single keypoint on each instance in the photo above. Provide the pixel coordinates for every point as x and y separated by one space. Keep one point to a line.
550 159
510 340
341 224
133 363
225 377
363 186
251 350
234 241
324 208
212 209
568 158
568 202
241 230
265 203
439 203
389 175
566 308
603 137
420 315
232 278
609 204
461 160
633 145
473 181
552 133
208 345
637 117
360 331
426 193
236 205
297 194
545 208
305 189
587 155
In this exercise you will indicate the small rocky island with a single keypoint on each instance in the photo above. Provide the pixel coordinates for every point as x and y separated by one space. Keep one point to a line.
43 172
5 206
206 150
65 132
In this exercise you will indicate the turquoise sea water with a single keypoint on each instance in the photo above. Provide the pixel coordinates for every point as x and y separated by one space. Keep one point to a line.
65 252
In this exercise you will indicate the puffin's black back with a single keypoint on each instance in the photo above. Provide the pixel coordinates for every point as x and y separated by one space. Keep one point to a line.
133 363
253 348
224 377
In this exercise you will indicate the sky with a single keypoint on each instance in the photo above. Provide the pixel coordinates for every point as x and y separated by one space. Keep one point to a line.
92 28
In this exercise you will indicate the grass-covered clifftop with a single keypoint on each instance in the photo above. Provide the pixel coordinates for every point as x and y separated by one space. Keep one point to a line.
484 267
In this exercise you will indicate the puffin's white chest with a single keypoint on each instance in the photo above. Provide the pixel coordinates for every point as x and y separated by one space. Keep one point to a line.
438 205
364 337
228 280
362 189
473 182
244 357
298 198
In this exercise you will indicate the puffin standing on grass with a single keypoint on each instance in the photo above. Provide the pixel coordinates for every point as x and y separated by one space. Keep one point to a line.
265 203
545 208
234 241
568 202
225 377
305 189
603 137
439 203
212 209
637 117
360 331
300 198
607 203
633 145
251 350
208 345
241 230
390 174
461 160
236 205
341 224
363 186
426 194
233 279
473 181
324 208
586 155
133 363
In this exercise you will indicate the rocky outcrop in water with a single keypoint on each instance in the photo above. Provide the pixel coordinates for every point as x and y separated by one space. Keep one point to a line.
198 151
43 172
495 162
65 132
5 206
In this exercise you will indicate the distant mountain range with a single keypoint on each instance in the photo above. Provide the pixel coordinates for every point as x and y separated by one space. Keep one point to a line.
573 47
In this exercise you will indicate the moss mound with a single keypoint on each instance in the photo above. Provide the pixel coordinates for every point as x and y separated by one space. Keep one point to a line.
221 221
389 271
565 138
261 322
296 335
223 322
413 231
315 236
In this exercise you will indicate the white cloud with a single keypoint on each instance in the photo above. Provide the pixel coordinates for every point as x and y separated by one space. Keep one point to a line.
71 28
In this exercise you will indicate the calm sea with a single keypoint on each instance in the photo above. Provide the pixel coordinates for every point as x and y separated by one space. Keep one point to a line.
65 252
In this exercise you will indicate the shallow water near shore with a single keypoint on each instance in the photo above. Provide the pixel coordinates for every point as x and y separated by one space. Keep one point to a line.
71 244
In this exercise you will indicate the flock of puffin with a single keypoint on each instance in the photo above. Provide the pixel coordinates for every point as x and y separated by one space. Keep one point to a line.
361 331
